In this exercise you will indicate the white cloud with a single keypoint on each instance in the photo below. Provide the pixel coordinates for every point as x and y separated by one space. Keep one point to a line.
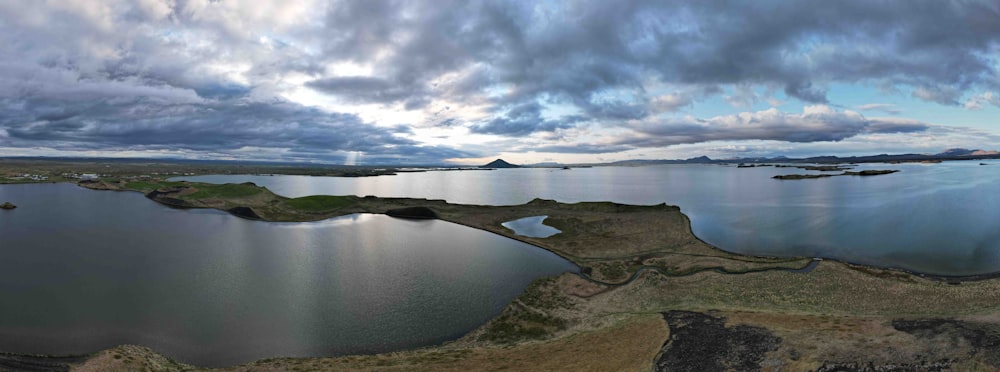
976 101
669 102
888 108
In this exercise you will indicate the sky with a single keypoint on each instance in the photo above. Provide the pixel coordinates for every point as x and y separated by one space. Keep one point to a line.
465 82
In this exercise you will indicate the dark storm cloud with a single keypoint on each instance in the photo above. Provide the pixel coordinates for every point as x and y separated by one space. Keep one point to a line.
367 89
816 124
525 119
210 76
144 124
578 53
153 75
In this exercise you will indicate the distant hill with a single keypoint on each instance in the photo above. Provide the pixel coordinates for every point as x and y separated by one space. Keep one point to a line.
698 160
499 163
547 164
950 154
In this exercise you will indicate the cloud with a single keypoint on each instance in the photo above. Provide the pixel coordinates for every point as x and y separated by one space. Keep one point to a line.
669 102
542 52
370 90
976 101
147 124
804 90
112 74
525 119
587 148
817 123
883 107
944 95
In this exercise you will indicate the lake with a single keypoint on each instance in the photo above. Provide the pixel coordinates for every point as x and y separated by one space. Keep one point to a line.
933 218
84 270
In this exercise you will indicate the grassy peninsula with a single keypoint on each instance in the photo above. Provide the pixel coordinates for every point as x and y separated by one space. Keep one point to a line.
651 296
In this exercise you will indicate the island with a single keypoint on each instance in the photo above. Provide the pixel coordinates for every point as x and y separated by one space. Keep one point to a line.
499 163
650 295
823 168
864 173
800 176
7 205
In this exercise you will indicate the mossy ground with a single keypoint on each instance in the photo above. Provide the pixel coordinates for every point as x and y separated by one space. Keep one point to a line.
320 203
833 314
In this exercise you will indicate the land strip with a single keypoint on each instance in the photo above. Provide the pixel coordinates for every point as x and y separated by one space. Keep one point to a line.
609 241
42 170
837 316
864 173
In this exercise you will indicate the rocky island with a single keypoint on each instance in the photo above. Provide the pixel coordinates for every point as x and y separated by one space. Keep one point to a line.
499 163
864 173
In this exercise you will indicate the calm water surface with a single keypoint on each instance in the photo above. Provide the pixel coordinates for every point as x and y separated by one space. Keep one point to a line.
532 227
84 270
935 218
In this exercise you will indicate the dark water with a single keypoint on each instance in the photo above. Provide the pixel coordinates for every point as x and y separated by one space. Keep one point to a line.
934 218
84 270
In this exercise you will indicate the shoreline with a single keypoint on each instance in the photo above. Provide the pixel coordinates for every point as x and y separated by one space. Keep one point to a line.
507 233
659 257
386 205
534 242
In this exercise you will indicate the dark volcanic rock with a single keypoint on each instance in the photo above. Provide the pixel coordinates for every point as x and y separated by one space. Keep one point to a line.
800 176
15 362
984 338
823 168
7 205
244 212
413 212
870 172
700 342
499 163
163 196
938 366
165 191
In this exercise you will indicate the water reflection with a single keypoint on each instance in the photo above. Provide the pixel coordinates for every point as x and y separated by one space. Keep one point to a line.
84 270
935 218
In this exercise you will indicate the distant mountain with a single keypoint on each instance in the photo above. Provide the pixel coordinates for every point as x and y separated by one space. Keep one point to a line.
698 160
499 163
956 152
950 154
964 152
547 164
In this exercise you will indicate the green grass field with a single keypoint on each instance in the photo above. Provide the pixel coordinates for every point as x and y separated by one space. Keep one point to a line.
320 203
229 190
150 185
